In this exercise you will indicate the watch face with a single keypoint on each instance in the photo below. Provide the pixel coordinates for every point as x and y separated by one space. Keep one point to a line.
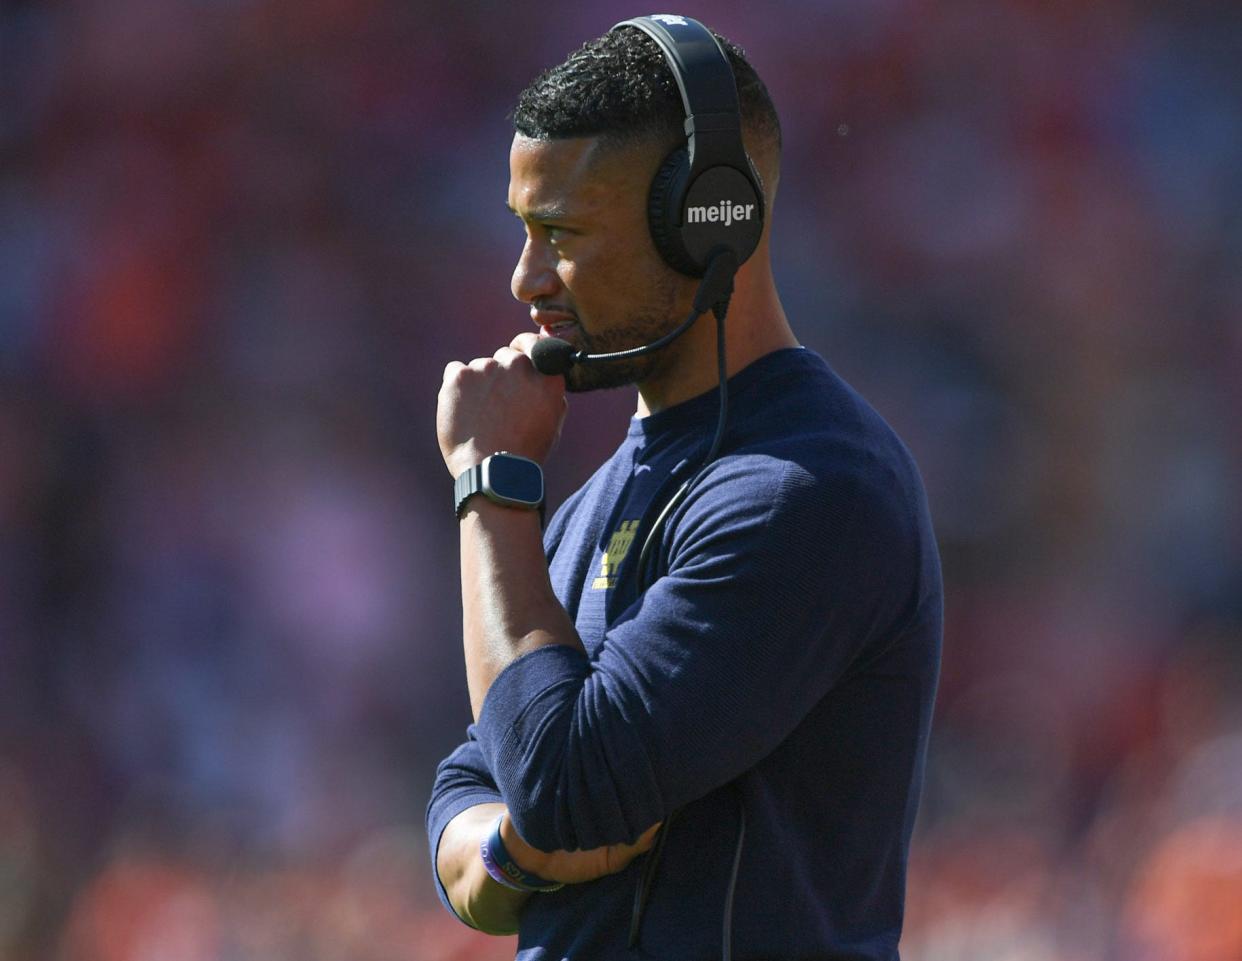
513 479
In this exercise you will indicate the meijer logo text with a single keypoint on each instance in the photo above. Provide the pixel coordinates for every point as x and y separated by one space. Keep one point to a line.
724 212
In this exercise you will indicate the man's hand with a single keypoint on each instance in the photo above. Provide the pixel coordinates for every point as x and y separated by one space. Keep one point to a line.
574 867
498 403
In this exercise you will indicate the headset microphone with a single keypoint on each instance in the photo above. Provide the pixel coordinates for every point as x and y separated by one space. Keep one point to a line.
553 356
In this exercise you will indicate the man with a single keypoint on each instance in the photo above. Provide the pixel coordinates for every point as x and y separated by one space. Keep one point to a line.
722 753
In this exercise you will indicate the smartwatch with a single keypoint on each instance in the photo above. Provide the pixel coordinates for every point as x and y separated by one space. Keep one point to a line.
504 478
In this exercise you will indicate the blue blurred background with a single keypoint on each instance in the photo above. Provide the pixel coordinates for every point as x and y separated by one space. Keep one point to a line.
240 239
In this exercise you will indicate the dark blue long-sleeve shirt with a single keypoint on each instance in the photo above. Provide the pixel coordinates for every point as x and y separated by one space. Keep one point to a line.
781 667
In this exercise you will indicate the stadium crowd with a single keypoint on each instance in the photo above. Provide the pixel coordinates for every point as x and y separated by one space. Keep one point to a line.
238 243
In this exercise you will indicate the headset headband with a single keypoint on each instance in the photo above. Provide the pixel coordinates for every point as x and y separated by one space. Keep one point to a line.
705 79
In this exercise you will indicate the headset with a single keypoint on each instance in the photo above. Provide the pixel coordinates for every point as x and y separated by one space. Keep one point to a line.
707 194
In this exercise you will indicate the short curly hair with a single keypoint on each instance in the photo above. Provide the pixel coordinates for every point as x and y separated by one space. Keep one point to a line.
619 86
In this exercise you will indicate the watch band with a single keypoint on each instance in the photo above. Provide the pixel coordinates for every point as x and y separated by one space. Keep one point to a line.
468 483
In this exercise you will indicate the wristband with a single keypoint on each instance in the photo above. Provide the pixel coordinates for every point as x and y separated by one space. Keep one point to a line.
505 871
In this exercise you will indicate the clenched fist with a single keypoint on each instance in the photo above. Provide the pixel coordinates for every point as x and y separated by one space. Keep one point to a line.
498 403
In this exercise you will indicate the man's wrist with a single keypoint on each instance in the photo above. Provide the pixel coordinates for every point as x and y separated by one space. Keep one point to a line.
504 868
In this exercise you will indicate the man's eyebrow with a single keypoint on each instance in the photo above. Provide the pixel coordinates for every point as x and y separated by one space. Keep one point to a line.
540 214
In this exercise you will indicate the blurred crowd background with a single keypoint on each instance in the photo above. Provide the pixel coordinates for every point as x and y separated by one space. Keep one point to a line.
240 239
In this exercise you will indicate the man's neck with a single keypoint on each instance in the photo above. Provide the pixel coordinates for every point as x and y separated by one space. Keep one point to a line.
754 327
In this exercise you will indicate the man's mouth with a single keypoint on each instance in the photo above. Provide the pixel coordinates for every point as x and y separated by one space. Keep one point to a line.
554 323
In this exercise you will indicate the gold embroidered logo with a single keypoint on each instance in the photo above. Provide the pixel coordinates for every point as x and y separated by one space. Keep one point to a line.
618 547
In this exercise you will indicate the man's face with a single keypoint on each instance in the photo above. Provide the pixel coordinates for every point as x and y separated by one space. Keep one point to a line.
589 270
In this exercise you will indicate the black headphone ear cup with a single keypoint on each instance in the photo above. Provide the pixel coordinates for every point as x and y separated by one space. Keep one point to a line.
668 190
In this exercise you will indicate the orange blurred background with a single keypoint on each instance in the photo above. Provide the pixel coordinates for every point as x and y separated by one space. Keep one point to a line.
239 241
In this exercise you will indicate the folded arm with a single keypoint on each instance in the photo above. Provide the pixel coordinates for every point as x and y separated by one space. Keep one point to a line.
463 786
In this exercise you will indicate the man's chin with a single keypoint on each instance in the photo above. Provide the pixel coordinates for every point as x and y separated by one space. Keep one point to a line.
581 378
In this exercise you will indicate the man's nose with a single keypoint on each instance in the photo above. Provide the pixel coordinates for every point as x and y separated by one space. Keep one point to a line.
535 274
